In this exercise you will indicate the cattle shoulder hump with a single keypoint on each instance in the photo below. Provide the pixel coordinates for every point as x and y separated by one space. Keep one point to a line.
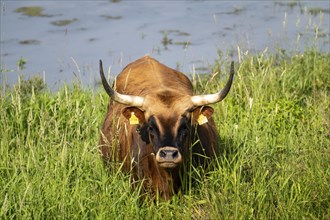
147 74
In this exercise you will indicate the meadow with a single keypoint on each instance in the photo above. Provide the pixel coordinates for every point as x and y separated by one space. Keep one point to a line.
275 137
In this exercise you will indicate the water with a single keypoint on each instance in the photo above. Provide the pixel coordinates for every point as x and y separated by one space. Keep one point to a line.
185 35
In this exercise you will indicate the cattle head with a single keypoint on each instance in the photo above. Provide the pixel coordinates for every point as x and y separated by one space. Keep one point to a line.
164 119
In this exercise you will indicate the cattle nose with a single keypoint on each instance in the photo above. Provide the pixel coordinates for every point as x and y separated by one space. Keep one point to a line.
168 157
169 154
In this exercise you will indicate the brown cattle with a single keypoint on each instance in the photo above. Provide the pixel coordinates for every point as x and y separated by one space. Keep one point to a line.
155 124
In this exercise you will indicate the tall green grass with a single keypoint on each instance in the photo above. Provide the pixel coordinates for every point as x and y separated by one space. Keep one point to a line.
275 138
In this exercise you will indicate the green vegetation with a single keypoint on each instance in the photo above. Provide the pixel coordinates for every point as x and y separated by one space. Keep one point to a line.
64 22
316 11
110 17
21 63
168 36
275 134
29 42
32 11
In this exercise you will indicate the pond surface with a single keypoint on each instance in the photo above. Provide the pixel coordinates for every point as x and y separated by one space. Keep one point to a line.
63 41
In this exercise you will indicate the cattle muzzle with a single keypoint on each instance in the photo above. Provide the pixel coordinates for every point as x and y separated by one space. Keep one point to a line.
168 157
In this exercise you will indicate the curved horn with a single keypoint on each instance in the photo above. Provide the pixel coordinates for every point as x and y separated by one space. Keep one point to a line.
131 100
199 100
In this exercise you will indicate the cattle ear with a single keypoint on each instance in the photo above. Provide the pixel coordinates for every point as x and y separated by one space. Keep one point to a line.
201 114
134 115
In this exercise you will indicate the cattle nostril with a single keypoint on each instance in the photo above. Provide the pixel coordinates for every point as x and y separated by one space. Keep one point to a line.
175 154
162 154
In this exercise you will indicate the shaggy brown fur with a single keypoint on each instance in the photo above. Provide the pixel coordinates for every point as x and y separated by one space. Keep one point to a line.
168 105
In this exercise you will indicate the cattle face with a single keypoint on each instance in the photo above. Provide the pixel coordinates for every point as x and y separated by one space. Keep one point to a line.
155 117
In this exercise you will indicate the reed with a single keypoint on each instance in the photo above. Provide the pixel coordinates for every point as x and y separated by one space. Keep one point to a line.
275 137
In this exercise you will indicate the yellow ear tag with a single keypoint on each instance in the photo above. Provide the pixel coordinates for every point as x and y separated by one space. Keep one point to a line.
133 120
202 119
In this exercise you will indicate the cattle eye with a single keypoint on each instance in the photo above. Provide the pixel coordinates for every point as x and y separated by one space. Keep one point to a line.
184 124
152 127
184 130
151 131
